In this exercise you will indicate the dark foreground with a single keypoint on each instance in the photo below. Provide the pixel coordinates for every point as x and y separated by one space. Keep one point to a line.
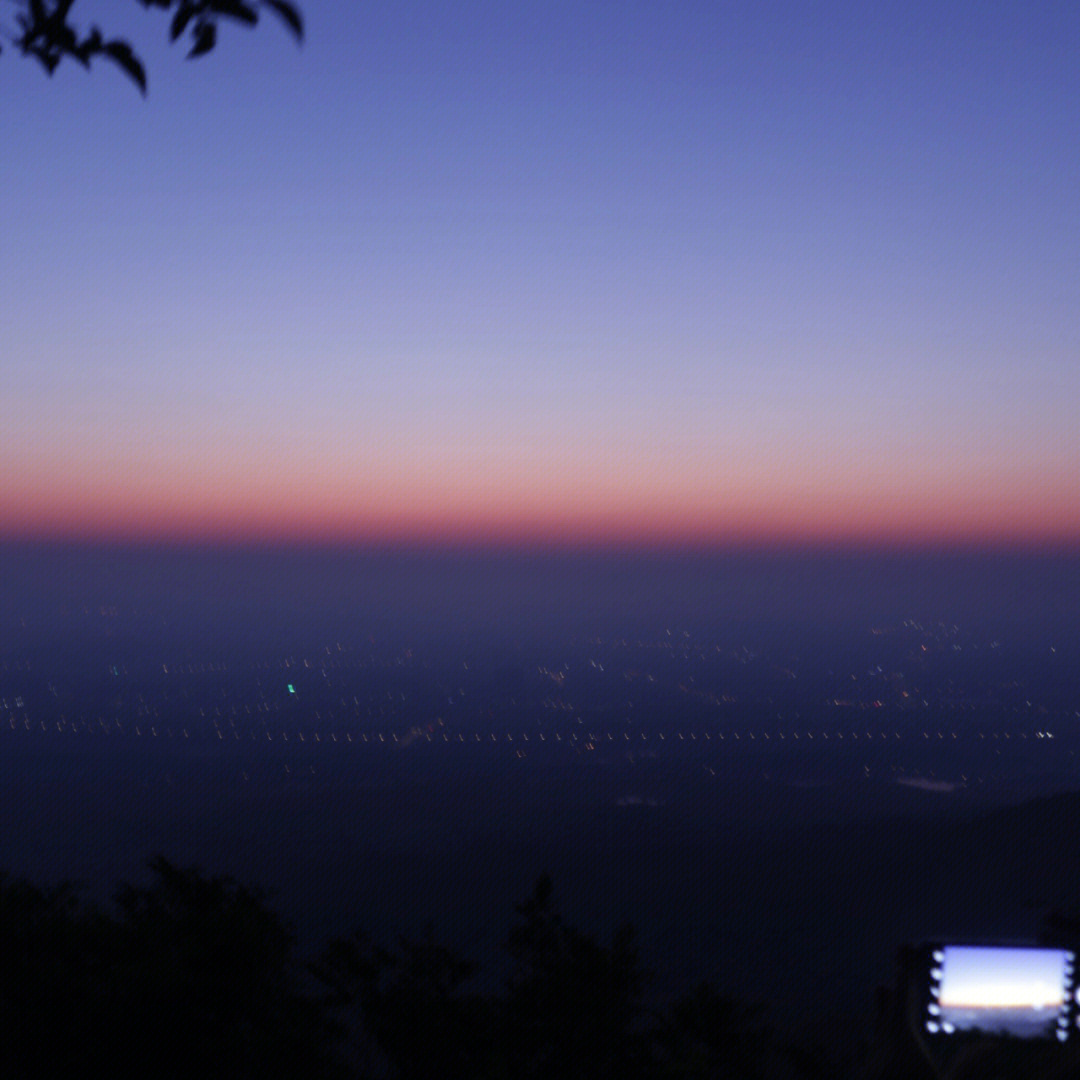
190 975
186 973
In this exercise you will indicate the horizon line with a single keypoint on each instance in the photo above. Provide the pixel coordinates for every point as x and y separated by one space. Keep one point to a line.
548 547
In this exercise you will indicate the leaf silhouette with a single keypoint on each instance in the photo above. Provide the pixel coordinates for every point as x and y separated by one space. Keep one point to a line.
45 34
236 10
205 37
90 46
180 20
289 14
120 52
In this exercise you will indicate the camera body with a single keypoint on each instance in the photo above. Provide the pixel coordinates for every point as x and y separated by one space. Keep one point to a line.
998 991
961 1010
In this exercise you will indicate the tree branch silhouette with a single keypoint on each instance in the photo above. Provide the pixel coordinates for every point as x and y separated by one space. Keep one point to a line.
46 33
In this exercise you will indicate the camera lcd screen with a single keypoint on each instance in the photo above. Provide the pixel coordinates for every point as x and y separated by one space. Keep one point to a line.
1001 991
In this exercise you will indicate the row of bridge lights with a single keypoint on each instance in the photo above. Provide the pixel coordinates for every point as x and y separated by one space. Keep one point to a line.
706 736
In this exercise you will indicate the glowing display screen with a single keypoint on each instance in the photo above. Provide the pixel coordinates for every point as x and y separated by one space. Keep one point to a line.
1007 991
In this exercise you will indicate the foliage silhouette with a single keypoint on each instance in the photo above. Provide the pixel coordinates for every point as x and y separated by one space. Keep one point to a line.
52 958
191 976
411 1003
706 1034
46 33
207 955
571 1008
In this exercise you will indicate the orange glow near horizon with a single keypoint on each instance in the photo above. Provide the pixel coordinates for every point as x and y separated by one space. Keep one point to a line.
581 511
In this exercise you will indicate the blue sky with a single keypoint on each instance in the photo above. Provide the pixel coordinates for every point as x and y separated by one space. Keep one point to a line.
586 271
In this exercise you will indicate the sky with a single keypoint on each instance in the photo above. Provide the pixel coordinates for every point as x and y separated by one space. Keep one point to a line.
586 274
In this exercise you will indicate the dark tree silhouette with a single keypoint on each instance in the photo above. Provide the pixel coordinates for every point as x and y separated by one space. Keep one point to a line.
52 952
44 30
574 1007
208 956
410 1007
192 976
707 1035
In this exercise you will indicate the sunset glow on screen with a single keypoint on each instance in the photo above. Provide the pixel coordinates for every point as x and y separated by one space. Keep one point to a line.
1020 992
981 978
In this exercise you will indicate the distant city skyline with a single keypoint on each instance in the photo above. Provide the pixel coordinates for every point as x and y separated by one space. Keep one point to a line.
585 275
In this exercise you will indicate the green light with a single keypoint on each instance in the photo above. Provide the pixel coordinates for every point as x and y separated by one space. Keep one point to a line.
292 689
